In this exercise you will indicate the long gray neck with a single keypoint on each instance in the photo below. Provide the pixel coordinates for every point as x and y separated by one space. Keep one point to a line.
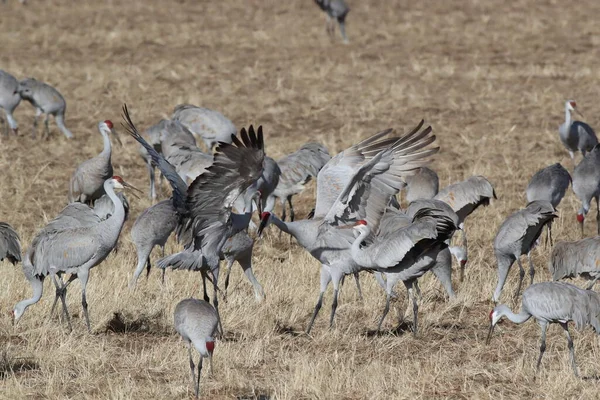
37 285
304 231
519 318
359 255
107 150
118 215
567 116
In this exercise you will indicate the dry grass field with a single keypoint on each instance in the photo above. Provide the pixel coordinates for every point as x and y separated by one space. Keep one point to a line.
490 77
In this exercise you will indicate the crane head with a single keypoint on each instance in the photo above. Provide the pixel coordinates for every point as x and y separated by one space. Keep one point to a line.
264 220
361 222
210 346
572 106
580 218
109 123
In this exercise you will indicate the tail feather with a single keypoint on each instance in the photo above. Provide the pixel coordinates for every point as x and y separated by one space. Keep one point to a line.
185 260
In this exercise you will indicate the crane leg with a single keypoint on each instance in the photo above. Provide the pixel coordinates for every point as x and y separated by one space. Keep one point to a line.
143 257
229 266
148 267
521 276
292 216
334 305
531 268
152 173
411 295
388 297
38 113
4 124
325 279
464 245
215 279
83 278
544 326
357 280
46 127
565 326
283 211
343 30
192 366
598 215
206 298
417 289
198 377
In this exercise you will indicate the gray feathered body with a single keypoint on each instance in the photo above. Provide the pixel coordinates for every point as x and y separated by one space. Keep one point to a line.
577 136
299 168
189 161
154 225
571 259
336 9
42 96
9 96
466 196
209 125
10 243
195 320
549 184
423 185
586 178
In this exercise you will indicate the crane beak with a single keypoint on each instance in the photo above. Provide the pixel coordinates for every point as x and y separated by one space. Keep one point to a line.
263 224
129 186
489 336
116 136
579 113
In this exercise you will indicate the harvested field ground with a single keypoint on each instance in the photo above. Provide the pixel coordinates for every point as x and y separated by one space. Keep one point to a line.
490 77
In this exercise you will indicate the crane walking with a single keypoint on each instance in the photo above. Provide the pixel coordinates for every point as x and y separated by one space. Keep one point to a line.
553 302
196 321
335 10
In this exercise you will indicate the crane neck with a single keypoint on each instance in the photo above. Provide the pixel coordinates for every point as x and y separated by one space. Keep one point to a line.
304 231
567 116
359 255
37 285
119 214
107 149
519 318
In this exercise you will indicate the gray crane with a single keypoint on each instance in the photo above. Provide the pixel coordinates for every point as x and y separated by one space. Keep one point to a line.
576 135
165 132
196 321
553 302
239 248
423 185
403 253
189 161
206 206
152 228
571 259
209 125
586 185
358 183
87 182
74 251
517 236
261 190
46 100
465 197
297 169
549 184
10 244
335 10
9 100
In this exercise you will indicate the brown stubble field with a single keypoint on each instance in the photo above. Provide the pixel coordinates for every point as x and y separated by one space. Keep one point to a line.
490 77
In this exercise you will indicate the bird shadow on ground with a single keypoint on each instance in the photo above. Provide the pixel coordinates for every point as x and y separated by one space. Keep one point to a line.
284 329
402 328
591 378
10 366
230 336
120 323
254 397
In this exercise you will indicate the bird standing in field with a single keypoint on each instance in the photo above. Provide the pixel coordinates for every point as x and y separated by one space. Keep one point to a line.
297 169
549 184
209 125
517 236
423 185
197 321
10 244
9 100
87 182
336 10
586 185
46 100
74 251
553 302
571 259
576 135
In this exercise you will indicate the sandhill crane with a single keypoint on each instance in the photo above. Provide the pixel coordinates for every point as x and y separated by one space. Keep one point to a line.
196 321
576 135
46 100
465 197
153 227
209 125
9 100
263 189
358 183
189 161
338 10
297 169
206 206
74 251
423 185
10 244
517 236
87 182
586 185
553 302
239 248
571 259
549 184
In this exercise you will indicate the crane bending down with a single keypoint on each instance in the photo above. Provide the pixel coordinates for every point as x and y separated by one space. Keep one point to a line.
517 236
553 302
9 100
87 182
46 100
571 259
423 185
576 135
207 220
72 250
196 321
358 183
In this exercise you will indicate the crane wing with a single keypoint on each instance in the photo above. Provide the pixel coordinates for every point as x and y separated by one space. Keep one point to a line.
168 171
372 186
59 251
464 197
212 195
10 244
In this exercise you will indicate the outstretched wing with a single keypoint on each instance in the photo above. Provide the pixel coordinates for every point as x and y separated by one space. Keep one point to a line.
168 171
212 195
466 196
371 188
